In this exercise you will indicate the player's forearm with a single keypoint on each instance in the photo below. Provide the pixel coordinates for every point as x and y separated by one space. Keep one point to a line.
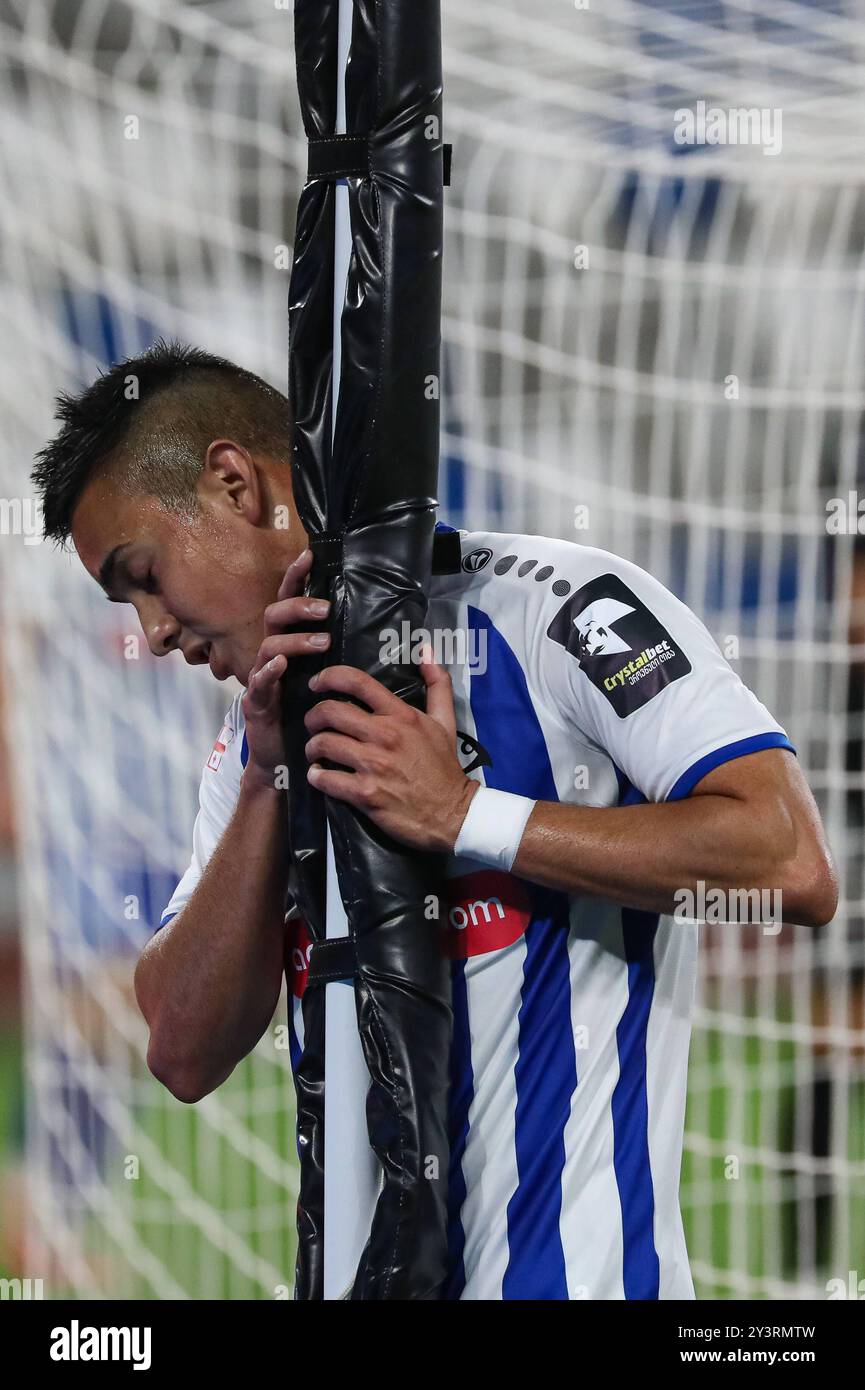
209 981
641 856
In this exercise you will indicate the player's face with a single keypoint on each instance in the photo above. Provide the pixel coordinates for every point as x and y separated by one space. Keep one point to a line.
199 583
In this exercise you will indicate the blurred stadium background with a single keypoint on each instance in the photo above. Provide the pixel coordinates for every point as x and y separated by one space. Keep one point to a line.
669 337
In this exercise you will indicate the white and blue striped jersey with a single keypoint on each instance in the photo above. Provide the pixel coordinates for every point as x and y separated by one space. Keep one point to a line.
577 678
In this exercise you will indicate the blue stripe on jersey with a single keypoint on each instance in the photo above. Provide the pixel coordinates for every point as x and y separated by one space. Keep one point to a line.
462 1090
546 1069
630 1111
630 1107
244 751
688 780
630 1100
546 1077
628 794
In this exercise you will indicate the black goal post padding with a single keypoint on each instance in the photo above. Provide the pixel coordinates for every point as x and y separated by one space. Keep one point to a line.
367 500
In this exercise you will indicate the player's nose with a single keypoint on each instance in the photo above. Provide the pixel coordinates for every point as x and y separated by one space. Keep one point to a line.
163 635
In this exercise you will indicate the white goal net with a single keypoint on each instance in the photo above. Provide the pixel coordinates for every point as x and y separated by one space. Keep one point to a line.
653 334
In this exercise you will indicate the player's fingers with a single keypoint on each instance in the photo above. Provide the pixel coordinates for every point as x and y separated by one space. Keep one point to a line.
263 687
295 576
336 748
342 785
345 718
290 644
290 612
439 693
348 680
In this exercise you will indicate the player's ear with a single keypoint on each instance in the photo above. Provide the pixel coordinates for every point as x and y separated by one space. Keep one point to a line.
231 478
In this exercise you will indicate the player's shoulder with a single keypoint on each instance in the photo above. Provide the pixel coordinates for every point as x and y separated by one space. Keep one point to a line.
505 567
554 600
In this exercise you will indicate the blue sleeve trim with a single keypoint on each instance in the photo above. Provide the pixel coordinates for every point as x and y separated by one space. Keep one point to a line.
688 780
166 918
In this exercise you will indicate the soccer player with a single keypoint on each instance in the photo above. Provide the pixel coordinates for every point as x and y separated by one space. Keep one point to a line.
591 758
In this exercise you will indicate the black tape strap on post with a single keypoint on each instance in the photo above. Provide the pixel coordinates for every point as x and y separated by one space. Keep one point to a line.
338 157
347 157
447 555
335 959
327 553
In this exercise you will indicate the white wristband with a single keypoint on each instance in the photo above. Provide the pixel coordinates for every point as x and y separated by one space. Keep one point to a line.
493 827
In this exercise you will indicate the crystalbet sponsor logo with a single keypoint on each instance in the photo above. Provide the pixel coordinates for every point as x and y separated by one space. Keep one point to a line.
623 648
641 665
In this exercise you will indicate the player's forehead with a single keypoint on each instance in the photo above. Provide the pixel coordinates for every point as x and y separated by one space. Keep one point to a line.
107 517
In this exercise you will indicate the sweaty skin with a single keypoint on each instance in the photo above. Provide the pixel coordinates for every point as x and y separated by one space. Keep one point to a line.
224 585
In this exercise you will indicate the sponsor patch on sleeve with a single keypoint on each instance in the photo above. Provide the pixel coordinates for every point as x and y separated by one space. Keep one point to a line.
622 647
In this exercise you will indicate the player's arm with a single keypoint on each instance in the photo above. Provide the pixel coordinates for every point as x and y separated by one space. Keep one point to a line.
749 824
209 981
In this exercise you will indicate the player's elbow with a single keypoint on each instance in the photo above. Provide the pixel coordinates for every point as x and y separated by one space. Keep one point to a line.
183 1067
810 888
186 1080
179 1068
795 856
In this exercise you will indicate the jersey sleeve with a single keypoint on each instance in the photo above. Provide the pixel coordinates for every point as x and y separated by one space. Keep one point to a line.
634 669
217 799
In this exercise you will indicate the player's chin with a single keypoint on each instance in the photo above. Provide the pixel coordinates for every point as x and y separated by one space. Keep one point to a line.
239 669
221 670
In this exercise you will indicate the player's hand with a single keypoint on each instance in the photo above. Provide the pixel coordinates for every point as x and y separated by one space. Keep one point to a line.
262 703
404 771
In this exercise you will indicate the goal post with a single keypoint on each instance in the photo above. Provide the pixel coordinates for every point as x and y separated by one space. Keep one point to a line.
364 344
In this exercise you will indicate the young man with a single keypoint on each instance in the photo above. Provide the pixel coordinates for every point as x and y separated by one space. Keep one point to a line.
598 757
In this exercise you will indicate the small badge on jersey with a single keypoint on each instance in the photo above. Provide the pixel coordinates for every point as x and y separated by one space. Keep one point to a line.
226 734
622 647
471 753
477 560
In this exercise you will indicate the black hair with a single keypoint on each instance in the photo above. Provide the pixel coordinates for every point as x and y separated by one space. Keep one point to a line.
151 418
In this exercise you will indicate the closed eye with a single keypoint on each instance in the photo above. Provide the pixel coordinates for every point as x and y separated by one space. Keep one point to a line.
149 583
